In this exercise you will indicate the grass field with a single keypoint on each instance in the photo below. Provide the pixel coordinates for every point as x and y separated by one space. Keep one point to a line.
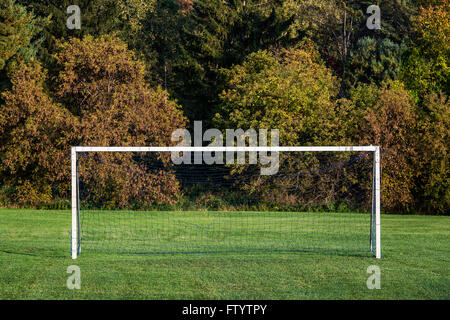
34 256
150 232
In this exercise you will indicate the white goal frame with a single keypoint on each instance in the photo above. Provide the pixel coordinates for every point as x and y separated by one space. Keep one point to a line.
376 196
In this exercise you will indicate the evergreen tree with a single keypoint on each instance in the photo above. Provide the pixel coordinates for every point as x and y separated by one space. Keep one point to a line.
98 17
374 61
337 27
190 44
18 32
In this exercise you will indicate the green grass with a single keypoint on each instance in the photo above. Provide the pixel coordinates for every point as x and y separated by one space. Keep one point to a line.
34 256
150 232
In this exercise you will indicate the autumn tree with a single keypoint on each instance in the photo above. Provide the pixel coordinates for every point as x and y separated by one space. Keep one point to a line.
414 144
386 117
293 92
290 90
34 138
100 98
115 106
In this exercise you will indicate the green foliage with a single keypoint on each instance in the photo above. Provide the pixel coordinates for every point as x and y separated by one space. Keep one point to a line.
233 64
426 67
332 26
98 17
18 43
338 28
190 44
433 183
414 143
374 61
291 91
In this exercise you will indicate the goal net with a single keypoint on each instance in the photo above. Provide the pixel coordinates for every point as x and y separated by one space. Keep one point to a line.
147 201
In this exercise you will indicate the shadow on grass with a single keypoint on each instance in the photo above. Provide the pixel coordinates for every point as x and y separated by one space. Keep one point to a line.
330 252
42 253
49 253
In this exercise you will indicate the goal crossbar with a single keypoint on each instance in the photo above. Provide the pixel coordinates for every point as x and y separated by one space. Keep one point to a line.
376 197
224 149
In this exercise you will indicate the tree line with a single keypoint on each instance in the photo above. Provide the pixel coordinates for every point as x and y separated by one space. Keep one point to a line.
136 70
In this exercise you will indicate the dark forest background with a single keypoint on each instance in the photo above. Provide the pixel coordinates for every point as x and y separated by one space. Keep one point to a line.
137 70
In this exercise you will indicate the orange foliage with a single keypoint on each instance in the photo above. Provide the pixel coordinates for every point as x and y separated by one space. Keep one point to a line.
185 5
33 131
390 124
105 101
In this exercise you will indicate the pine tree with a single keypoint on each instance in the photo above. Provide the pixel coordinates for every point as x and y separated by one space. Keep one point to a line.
98 17
18 42
337 27
374 60
189 43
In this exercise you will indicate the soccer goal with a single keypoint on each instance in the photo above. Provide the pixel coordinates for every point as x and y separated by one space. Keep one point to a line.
170 200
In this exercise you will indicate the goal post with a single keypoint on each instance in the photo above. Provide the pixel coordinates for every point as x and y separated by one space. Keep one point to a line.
75 234
375 225
377 188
